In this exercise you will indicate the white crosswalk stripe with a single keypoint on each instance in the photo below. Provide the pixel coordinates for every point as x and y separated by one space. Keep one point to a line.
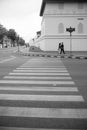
45 68
59 89
53 84
46 74
44 112
66 98
38 71
37 82
33 77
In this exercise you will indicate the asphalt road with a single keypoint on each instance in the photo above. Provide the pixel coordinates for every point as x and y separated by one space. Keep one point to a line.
43 93
78 71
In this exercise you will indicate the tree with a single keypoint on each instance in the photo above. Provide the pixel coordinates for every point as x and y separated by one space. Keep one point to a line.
12 35
21 41
3 32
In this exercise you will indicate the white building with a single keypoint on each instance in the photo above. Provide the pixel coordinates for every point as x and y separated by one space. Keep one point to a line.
59 15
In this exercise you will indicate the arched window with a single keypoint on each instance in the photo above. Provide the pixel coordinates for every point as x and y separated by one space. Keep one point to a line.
61 28
61 5
80 28
80 5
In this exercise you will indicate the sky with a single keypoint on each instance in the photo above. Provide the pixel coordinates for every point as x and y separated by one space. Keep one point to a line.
21 15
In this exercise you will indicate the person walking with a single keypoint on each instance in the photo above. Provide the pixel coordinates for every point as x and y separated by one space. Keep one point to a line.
62 48
59 48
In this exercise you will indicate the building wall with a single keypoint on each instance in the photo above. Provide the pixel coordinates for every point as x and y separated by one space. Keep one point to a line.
77 44
52 24
58 17
41 43
43 24
65 8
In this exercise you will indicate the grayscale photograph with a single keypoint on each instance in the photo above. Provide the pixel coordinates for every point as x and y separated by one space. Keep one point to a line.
43 65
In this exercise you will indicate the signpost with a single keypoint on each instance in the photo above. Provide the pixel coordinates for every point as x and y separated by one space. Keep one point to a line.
70 30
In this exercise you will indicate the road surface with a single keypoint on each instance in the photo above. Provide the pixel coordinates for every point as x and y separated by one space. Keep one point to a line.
43 94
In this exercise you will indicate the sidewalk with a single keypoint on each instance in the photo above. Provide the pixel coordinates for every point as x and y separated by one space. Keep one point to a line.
75 54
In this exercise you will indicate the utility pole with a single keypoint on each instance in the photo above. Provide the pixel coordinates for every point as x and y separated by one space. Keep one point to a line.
18 44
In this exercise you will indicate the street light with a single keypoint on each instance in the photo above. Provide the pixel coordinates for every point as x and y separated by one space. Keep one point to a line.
70 30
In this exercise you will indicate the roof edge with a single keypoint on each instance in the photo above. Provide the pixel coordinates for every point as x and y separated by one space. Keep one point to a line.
42 7
52 1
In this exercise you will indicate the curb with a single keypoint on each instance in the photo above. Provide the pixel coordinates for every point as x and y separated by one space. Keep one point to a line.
74 57
53 56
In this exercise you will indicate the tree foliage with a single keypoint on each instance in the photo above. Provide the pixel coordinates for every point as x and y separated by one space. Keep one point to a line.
11 34
3 31
21 41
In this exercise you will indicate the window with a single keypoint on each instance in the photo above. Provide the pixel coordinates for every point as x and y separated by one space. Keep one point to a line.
61 28
80 5
61 5
80 28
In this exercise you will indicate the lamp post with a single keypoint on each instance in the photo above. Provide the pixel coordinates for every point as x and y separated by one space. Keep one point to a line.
70 30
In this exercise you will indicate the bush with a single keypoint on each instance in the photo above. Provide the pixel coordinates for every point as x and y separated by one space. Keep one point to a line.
34 49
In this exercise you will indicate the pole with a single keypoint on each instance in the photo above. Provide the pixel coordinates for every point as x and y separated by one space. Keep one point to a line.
70 43
18 44
18 47
70 30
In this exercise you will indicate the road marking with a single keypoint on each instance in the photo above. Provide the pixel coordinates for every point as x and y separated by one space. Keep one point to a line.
66 98
36 82
28 66
56 89
39 74
34 68
12 57
43 60
40 71
44 112
35 77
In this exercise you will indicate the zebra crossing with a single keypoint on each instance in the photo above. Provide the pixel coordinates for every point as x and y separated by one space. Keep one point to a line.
41 95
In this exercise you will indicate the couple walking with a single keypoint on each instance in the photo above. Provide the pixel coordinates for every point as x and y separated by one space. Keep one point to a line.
61 48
